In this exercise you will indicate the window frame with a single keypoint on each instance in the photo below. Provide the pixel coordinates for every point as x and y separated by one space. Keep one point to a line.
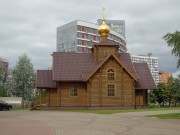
73 91
111 93
110 75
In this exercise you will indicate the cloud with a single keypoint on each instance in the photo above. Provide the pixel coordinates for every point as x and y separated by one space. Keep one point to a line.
175 74
30 26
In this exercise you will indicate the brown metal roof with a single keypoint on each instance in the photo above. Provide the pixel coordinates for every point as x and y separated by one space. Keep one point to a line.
78 66
126 59
72 66
146 80
44 79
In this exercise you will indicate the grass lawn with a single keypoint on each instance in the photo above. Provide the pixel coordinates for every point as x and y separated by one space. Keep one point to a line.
21 108
167 116
123 111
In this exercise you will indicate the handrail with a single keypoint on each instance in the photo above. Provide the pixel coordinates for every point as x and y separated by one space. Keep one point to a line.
39 102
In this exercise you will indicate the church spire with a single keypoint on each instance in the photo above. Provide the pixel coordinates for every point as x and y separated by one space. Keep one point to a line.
103 29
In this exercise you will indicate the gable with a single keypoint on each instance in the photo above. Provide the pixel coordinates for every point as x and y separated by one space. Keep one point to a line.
81 66
111 63
117 61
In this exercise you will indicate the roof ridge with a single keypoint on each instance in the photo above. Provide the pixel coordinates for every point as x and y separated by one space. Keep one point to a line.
70 53
44 70
118 60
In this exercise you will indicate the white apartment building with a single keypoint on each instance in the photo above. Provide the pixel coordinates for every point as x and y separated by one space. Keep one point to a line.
79 36
115 25
152 63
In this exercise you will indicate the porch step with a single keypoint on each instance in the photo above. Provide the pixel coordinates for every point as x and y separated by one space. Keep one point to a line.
38 107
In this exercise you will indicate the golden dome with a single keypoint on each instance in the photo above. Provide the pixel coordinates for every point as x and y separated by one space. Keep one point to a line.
103 29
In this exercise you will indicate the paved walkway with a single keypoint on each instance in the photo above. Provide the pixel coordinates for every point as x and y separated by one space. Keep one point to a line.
74 123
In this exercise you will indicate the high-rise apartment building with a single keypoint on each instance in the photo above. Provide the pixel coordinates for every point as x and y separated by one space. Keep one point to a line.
115 25
79 36
152 64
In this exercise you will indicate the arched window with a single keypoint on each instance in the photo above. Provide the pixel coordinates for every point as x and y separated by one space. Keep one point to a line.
110 74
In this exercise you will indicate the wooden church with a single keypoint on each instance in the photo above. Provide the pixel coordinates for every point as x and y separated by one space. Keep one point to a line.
102 79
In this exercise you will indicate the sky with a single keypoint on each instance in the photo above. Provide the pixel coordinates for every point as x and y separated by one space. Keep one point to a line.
29 26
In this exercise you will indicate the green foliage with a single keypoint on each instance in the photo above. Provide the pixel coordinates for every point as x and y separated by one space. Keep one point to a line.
152 97
3 79
173 40
24 77
158 95
173 90
169 92
3 91
37 93
167 116
121 111
176 87
3 74
21 108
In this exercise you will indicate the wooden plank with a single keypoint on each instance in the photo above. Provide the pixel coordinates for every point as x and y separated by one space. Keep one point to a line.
40 97
133 91
48 97
122 87
59 97
100 88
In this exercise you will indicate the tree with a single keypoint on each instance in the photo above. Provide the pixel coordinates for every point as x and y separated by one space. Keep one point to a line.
3 79
158 94
173 40
176 86
3 73
171 90
23 74
161 97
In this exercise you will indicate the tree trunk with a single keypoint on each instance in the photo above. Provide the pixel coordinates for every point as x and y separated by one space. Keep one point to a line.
169 102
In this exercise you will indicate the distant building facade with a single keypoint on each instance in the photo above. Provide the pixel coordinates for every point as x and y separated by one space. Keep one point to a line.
4 70
80 36
152 64
163 76
115 25
4 63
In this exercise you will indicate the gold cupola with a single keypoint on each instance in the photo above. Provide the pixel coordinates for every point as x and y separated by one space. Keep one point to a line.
103 29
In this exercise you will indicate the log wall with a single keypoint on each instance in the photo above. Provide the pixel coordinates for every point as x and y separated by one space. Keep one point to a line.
68 100
94 93
124 88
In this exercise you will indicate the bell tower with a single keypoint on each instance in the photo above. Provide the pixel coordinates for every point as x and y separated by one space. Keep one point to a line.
104 48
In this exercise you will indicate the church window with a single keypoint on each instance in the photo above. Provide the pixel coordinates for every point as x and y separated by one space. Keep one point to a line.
111 90
73 90
110 74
